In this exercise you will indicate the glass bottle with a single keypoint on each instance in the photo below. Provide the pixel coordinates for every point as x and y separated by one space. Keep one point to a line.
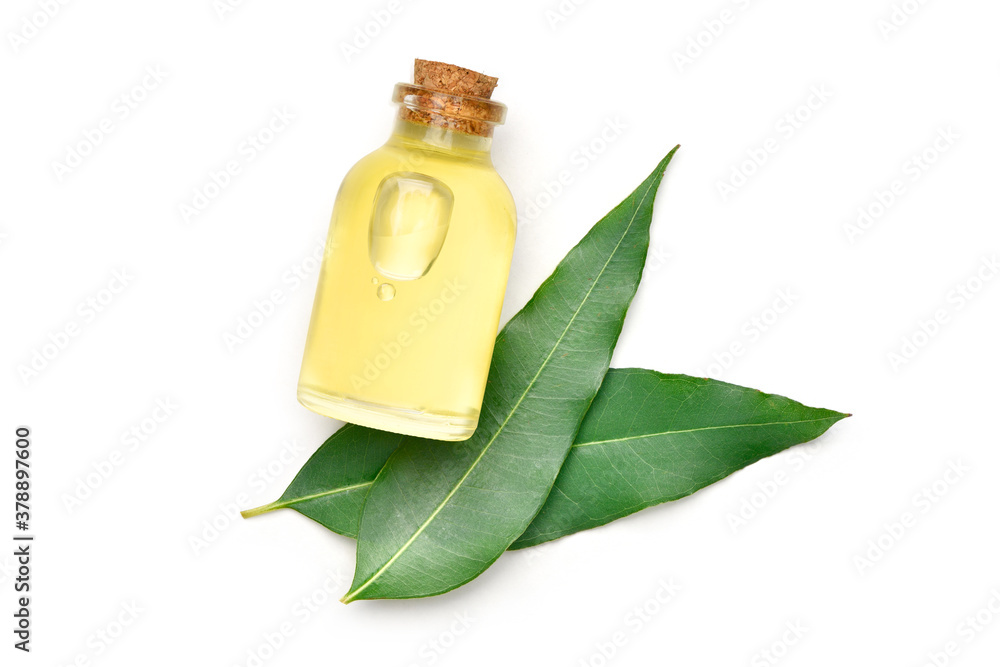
415 267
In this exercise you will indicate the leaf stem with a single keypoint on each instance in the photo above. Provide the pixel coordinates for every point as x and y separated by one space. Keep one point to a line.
263 509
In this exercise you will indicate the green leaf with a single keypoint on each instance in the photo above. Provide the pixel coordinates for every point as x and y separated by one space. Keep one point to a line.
671 435
438 515
331 487
650 438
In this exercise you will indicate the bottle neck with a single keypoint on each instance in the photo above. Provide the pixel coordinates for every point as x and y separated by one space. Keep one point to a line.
417 136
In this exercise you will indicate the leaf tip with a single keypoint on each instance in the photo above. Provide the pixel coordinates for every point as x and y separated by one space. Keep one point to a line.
837 416
662 166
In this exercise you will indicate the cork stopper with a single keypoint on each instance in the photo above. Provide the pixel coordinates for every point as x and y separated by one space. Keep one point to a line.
451 97
452 79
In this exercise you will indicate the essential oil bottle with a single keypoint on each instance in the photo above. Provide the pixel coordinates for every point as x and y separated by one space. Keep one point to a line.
415 268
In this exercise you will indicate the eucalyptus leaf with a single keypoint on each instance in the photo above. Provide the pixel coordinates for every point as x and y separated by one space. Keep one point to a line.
648 438
331 487
438 515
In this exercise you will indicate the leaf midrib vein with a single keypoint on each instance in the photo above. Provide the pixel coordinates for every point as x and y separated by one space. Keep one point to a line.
693 430
321 494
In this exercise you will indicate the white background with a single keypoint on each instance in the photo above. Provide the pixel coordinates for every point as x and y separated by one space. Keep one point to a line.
718 262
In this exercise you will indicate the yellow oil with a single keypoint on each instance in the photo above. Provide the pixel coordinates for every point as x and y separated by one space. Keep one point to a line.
412 284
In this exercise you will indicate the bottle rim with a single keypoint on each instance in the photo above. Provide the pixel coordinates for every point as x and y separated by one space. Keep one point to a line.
427 100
